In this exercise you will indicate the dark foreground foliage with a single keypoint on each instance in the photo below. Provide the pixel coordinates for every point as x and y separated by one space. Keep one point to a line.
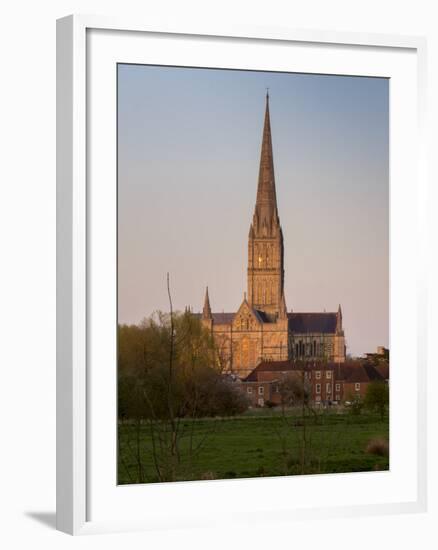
169 373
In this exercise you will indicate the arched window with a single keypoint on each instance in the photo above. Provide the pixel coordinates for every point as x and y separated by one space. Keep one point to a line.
245 351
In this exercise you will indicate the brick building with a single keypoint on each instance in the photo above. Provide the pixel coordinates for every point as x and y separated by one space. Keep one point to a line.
327 382
262 328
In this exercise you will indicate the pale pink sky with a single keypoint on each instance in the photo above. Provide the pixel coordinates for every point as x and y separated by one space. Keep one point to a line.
189 146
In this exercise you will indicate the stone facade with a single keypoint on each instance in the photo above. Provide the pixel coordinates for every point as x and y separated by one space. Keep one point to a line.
262 329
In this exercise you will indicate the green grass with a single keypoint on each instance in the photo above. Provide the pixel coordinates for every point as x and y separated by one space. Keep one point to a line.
259 444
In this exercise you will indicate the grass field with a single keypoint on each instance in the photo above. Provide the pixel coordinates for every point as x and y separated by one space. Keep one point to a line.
259 443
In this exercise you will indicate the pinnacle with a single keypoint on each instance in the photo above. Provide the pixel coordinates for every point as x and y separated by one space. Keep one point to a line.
206 312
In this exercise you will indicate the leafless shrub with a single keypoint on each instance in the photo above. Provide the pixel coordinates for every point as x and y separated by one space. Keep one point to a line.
378 446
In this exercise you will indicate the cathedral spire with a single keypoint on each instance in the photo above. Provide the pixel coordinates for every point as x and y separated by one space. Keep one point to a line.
265 239
266 203
206 312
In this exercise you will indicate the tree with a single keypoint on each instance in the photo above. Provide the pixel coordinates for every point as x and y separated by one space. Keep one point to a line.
377 397
295 391
168 371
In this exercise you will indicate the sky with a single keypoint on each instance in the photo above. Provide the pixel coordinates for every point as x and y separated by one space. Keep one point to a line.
189 145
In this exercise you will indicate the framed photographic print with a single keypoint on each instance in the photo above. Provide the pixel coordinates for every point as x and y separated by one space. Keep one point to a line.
240 275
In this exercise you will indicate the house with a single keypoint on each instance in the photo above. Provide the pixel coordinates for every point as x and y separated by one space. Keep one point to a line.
327 382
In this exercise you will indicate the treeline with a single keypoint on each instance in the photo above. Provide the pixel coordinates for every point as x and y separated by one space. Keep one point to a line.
169 368
169 376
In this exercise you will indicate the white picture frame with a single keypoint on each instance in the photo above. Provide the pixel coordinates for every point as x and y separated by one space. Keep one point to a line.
75 332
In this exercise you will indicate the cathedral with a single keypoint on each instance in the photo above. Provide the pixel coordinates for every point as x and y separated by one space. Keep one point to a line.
262 329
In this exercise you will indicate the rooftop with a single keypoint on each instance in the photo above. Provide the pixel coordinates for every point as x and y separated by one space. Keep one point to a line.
349 372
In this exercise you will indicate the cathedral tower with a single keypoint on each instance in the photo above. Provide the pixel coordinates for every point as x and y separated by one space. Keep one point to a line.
265 241
262 329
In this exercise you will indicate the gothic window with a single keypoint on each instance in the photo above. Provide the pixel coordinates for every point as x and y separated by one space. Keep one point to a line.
236 353
252 353
245 352
314 348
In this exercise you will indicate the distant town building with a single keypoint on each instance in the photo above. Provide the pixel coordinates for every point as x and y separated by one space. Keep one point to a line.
327 383
262 329
382 354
